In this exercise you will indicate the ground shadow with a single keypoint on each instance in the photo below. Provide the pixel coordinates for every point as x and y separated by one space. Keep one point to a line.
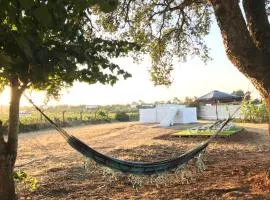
226 174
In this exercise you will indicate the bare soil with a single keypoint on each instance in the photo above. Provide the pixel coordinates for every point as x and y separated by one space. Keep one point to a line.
236 166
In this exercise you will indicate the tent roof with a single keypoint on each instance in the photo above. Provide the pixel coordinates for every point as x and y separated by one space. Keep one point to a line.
216 96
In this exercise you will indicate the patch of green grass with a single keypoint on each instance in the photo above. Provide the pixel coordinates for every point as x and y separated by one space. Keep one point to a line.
189 132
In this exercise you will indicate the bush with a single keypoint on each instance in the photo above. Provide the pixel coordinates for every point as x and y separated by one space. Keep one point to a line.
254 113
24 181
122 117
134 116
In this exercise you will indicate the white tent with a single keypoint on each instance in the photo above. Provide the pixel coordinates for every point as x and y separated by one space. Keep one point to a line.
168 114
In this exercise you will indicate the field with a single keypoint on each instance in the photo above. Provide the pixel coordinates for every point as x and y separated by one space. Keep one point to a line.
236 165
32 120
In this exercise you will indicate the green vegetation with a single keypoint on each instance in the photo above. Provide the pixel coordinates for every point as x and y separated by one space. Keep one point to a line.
122 117
207 133
252 112
239 93
24 181
32 120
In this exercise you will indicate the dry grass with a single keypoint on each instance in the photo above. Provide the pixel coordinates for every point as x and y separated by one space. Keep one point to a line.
233 164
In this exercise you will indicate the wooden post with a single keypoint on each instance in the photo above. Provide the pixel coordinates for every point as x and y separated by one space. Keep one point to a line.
216 111
81 115
63 116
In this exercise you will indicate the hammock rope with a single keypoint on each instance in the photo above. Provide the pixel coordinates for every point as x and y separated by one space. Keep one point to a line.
130 166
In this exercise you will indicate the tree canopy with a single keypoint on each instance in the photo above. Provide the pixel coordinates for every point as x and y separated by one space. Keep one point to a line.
167 30
175 29
239 93
48 45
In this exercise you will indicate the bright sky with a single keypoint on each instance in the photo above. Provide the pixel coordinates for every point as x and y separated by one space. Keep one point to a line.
192 78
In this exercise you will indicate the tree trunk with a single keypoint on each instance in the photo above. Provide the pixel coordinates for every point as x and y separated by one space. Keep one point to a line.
8 150
267 100
7 186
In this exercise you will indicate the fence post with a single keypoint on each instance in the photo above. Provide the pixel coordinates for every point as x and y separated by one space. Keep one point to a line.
81 115
63 116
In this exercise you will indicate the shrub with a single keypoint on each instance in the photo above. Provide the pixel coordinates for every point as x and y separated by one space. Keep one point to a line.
122 117
101 114
134 116
24 181
254 113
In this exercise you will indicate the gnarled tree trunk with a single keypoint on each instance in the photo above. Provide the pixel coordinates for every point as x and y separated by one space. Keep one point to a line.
8 150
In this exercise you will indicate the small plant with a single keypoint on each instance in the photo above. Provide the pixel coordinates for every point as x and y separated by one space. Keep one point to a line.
24 181
122 117
136 181
102 115
200 162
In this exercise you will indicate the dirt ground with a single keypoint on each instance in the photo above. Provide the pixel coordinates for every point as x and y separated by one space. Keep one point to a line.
236 166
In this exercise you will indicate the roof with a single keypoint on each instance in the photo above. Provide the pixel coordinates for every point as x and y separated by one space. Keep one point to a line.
217 96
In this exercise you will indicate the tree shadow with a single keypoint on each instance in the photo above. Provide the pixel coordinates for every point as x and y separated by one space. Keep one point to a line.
75 182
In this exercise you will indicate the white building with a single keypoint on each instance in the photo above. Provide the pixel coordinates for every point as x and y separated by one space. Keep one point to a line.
168 114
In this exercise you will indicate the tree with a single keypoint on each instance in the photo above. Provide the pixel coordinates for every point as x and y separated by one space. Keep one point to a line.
176 100
175 29
47 45
239 93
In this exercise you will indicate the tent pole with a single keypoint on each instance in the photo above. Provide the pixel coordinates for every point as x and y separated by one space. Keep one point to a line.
216 111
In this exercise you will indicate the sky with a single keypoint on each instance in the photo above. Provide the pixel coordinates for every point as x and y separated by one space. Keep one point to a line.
192 78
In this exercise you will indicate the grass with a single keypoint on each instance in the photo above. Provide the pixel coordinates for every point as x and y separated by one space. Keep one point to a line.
207 133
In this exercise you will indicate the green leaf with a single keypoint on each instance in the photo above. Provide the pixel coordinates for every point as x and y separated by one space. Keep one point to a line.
27 4
26 48
43 16
5 60
108 5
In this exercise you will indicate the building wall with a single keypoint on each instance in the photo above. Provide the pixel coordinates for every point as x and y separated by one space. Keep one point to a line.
168 114
209 111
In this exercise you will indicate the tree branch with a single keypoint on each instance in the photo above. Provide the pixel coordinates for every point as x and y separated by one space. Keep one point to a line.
184 4
258 23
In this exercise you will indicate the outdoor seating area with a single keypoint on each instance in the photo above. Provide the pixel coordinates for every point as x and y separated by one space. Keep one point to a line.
209 129
216 97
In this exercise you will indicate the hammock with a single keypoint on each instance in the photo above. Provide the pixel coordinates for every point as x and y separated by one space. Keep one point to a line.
130 166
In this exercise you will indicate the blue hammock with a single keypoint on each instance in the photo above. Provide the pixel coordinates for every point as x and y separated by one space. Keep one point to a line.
129 166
